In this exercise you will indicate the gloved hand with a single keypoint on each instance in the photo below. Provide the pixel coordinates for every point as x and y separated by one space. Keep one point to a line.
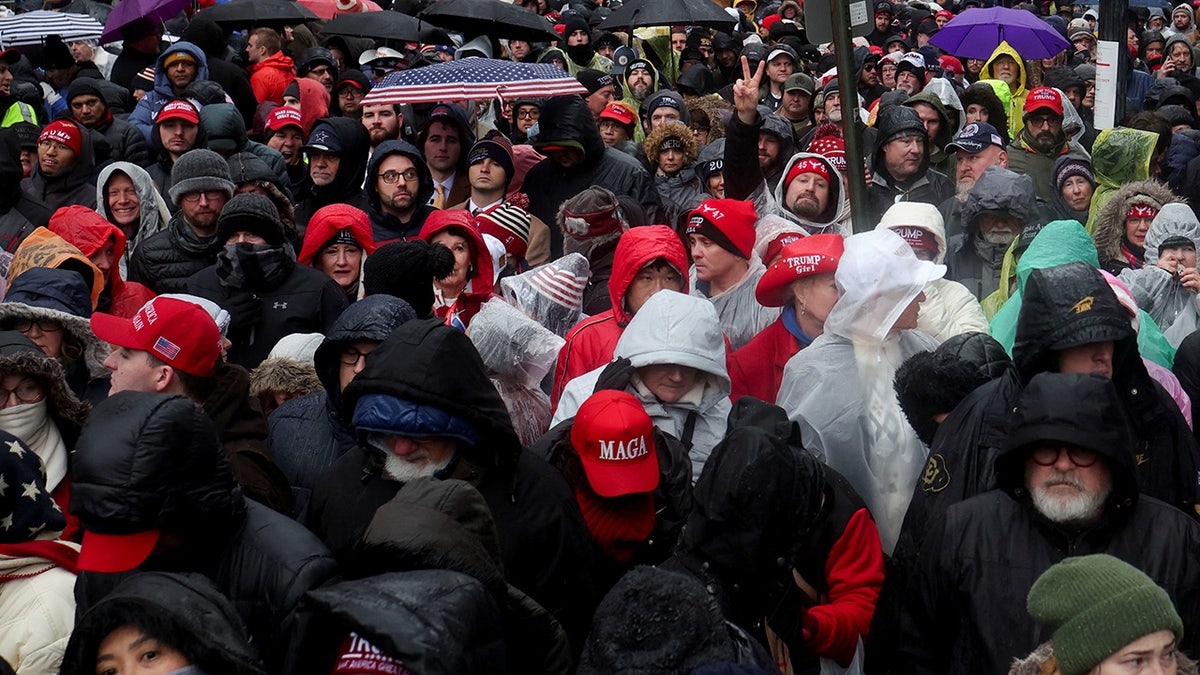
791 621
615 375
245 309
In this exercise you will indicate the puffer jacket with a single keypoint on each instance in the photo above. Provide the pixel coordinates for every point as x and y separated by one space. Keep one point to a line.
972 261
949 308
544 543
981 558
927 185
166 260
1116 253
741 315
147 109
70 187
88 231
384 226
201 622
347 185
271 76
126 142
589 345
223 123
160 169
306 434
1158 291
153 461
567 119
1017 94
679 330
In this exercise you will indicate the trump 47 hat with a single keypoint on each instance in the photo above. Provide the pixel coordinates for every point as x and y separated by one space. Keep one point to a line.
615 441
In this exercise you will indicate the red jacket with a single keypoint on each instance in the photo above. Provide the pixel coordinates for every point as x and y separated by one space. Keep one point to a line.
590 343
327 222
269 77
480 286
757 368
89 231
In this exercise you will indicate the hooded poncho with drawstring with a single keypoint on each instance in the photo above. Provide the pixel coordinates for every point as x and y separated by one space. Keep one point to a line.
1158 291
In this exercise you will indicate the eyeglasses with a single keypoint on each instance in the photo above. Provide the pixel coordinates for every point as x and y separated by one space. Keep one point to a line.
1041 121
868 66
26 391
351 356
531 114
1047 455
43 325
393 177
209 195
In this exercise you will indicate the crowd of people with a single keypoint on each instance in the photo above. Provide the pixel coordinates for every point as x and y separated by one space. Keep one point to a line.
617 382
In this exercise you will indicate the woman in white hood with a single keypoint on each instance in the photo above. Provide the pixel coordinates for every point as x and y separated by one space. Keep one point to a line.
840 389
672 358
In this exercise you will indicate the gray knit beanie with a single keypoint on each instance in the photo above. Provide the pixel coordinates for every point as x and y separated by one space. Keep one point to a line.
253 213
1097 605
197 170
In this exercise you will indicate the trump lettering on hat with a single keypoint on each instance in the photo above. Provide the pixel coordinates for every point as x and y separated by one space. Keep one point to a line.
805 257
615 440
1044 97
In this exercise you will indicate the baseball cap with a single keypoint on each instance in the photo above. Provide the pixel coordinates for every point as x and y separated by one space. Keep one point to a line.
178 109
782 50
618 112
323 137
284 116
1044 97
179 333
975 137
111 553
10 55
615 440
799 81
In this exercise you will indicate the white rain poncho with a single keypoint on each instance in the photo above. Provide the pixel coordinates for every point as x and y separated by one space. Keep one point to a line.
518 352
671 328
741 316
840 390
1158 291
551 294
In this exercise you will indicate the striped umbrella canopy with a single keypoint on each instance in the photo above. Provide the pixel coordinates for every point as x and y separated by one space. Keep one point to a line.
32 28
473 78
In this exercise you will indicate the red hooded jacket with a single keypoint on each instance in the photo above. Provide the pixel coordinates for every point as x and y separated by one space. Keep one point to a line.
269 77
327 221
480 282
590 343
89 231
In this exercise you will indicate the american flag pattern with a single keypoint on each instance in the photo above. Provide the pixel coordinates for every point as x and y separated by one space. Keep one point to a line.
32 28
473 78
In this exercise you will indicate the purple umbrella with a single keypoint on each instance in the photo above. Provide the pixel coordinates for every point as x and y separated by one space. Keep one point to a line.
977 32
128 11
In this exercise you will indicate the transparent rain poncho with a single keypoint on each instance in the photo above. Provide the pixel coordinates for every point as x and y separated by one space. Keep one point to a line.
1158 291
551 294
840 390
518 352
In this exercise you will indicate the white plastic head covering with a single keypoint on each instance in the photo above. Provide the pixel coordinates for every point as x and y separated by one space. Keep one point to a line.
515 349
219 315
878 278
552 294
497 251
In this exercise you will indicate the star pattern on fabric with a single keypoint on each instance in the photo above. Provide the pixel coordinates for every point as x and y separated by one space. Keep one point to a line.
3 486
6 522
14 447
31 490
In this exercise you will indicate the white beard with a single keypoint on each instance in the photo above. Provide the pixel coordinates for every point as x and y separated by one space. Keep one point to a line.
404 469
1000 237
1082 508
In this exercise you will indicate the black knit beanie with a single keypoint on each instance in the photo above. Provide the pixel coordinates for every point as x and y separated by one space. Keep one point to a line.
253 213
406 269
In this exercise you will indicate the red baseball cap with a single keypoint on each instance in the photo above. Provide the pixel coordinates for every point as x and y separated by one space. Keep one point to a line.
810 255
618 112
1044 97
283 116
179 333
111 553
615 441
178 109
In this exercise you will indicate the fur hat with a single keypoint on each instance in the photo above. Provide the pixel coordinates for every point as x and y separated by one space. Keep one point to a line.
675 135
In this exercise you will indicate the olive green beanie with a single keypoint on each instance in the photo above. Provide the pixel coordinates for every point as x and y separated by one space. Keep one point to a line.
1097 605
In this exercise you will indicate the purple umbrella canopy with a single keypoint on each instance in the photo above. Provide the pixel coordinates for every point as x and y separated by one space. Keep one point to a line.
127 11
977 32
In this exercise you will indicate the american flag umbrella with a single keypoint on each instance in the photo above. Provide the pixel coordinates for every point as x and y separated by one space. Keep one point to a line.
31 28
473 78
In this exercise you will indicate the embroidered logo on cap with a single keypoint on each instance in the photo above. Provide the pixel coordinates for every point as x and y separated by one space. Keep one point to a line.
616 451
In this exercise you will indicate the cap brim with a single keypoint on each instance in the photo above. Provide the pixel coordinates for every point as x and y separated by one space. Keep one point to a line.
10 56
772 289
112 553
930 271
968 146
114 330
321 148
627 478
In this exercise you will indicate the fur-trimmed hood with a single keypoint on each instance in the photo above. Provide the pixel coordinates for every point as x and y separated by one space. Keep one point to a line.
1041 662
284 374
1110 222
19 355
676 130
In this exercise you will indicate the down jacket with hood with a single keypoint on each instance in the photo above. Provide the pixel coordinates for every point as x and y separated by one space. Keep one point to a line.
949 309
926 185
973 261
223 125
153 461
347 184
20 213
307 434
384 226
153 210
566 119
939 159
544 543
1117 254
1158 291
71 186
981 558
481 277
672 329
88 231
1017 92
144 114
589 345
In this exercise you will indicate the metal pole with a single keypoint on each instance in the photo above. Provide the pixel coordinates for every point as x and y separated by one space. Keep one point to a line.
1112 27
848 89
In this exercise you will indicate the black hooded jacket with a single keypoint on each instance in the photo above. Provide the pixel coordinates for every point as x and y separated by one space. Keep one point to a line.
19 214
152 461
74 186
307 434
384 226
567 119
926 185
743 174
544 542
964 609
346 187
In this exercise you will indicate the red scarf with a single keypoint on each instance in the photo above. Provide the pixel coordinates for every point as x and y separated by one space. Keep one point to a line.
53 551
618 525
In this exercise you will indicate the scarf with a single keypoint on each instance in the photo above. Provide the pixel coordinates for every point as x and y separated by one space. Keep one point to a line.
793 326
619 525
581 54
31 423
56 554
183 238
254 266
1133 254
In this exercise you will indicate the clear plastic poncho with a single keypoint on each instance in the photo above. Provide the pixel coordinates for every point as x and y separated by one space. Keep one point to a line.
1158 291
518 352
551 294
839 389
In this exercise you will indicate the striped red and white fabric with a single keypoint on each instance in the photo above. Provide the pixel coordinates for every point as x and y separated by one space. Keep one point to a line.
473 78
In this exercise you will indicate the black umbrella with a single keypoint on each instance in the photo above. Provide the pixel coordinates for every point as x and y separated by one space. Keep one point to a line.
384 25
492 18
639 13
253 13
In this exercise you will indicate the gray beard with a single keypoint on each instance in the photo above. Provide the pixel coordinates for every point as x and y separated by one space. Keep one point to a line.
403 470
1082 509
964 191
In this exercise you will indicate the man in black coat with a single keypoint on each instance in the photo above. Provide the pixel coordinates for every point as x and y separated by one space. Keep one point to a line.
88 106
19 214
423 405
900 170
1067 486
337 160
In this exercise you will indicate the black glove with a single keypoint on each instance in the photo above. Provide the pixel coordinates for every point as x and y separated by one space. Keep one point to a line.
245 309
790 619
615 375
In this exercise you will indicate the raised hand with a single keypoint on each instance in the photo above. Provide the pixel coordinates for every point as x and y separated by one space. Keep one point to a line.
745 92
